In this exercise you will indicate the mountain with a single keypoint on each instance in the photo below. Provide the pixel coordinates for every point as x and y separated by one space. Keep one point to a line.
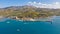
15 10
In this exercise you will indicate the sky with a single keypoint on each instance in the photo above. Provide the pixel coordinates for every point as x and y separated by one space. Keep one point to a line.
38 3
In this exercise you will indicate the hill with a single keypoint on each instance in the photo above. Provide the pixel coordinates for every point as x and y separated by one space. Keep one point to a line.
28 11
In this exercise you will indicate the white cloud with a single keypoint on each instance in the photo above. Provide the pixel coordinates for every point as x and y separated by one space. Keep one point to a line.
54 5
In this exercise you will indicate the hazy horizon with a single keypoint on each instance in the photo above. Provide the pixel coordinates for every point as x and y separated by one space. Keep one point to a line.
38 3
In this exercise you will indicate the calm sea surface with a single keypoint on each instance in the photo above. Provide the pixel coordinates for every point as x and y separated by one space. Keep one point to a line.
10 26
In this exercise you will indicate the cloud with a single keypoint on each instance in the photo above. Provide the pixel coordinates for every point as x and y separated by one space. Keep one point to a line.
54 5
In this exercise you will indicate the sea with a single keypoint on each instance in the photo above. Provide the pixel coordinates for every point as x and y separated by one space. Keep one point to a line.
12 26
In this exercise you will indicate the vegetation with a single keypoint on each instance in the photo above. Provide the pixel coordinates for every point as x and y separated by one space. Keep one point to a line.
28 11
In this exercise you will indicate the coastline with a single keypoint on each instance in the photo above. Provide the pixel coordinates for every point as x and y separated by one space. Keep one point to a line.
29 19
40 19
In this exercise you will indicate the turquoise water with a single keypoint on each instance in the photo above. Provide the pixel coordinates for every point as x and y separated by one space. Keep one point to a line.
10 26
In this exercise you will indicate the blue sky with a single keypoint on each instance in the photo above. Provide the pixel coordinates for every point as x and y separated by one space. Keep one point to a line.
7 3
49 1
